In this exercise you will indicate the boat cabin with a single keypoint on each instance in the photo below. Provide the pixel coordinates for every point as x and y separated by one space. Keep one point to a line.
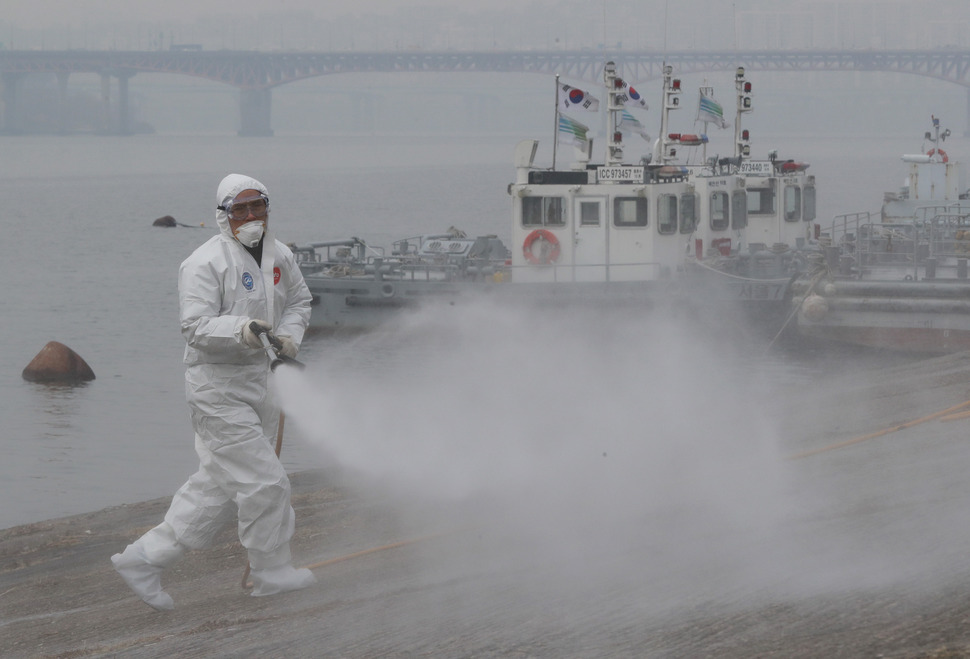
602 223
932 180
781 202
621 221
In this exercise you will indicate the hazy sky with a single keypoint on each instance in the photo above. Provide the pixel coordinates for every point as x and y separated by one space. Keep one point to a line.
478 24
29 15
33 14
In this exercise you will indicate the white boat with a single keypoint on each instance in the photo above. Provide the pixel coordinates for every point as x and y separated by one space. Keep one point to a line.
932 180
898 279
660 220
618 232
778 239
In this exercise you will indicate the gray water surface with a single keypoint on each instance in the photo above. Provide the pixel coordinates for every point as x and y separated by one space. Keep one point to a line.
84 266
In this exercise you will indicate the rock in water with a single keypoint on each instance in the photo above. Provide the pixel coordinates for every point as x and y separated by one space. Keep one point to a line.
58 364
164 221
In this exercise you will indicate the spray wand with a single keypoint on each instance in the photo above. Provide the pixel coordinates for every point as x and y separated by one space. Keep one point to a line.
273 346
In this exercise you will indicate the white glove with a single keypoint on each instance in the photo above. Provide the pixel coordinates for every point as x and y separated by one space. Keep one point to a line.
249 337
287 347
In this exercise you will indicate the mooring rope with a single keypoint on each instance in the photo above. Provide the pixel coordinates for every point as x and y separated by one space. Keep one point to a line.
946 414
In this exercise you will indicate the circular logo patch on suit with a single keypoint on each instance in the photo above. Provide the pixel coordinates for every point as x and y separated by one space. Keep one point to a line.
276 276
247 281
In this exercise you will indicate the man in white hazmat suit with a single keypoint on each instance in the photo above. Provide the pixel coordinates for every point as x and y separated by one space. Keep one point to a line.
241 275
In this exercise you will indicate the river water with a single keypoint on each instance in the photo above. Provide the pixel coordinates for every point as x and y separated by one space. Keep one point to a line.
85 267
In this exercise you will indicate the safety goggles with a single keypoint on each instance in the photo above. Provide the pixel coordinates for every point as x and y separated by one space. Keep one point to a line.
240 209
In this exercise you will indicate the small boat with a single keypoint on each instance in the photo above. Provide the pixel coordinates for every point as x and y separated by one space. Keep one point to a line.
356 286
897 279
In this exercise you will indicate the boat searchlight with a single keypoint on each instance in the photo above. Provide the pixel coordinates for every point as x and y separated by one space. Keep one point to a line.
525 153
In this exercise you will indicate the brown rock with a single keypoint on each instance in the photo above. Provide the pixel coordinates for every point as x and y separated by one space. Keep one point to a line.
56 363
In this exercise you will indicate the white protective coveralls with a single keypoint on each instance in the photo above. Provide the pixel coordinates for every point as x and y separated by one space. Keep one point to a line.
222 289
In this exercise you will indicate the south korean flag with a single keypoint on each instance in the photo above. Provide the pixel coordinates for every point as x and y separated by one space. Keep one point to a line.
572 98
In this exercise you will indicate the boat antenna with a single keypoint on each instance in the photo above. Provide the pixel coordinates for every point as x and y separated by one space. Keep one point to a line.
744 105
671 101
555 126
614 147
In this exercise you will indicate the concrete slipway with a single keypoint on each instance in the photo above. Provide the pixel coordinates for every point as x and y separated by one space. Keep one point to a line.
871 560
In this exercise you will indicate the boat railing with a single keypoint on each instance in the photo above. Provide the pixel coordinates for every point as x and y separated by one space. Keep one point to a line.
429 257
956 212
938 248
934 243
335 251
949 235
469 269
845 227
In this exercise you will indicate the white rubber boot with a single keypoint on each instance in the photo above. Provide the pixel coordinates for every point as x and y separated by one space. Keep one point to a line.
282 579
142 562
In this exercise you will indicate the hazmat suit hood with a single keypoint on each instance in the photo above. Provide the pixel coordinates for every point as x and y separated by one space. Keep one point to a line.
231 186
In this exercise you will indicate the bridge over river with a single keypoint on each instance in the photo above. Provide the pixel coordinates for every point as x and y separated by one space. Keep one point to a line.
255 74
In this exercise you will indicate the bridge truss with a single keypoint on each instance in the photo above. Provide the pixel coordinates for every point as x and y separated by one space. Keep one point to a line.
255 74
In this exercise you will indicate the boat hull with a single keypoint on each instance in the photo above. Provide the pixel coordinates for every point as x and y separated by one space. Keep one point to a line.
925 317
350 304
363 304
869 334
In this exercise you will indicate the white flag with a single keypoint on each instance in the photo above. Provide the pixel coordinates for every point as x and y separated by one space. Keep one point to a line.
627 119
711 111
572 132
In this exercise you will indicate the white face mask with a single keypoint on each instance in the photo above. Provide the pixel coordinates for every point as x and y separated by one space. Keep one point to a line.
250 233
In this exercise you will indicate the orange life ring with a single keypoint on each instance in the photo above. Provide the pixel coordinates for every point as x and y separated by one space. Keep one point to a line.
549 249
933 152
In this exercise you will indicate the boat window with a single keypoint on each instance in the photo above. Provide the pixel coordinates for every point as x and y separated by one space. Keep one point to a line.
667 213
808 195
629 212
688 212
719 211
793 203
761 201
589 214
542 211
739 209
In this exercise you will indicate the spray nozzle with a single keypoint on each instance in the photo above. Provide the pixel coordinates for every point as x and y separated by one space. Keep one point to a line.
272 345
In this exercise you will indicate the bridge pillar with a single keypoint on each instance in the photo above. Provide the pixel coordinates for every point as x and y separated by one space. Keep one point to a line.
105 103
966 133
11 108
62 108
122 124
254 112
